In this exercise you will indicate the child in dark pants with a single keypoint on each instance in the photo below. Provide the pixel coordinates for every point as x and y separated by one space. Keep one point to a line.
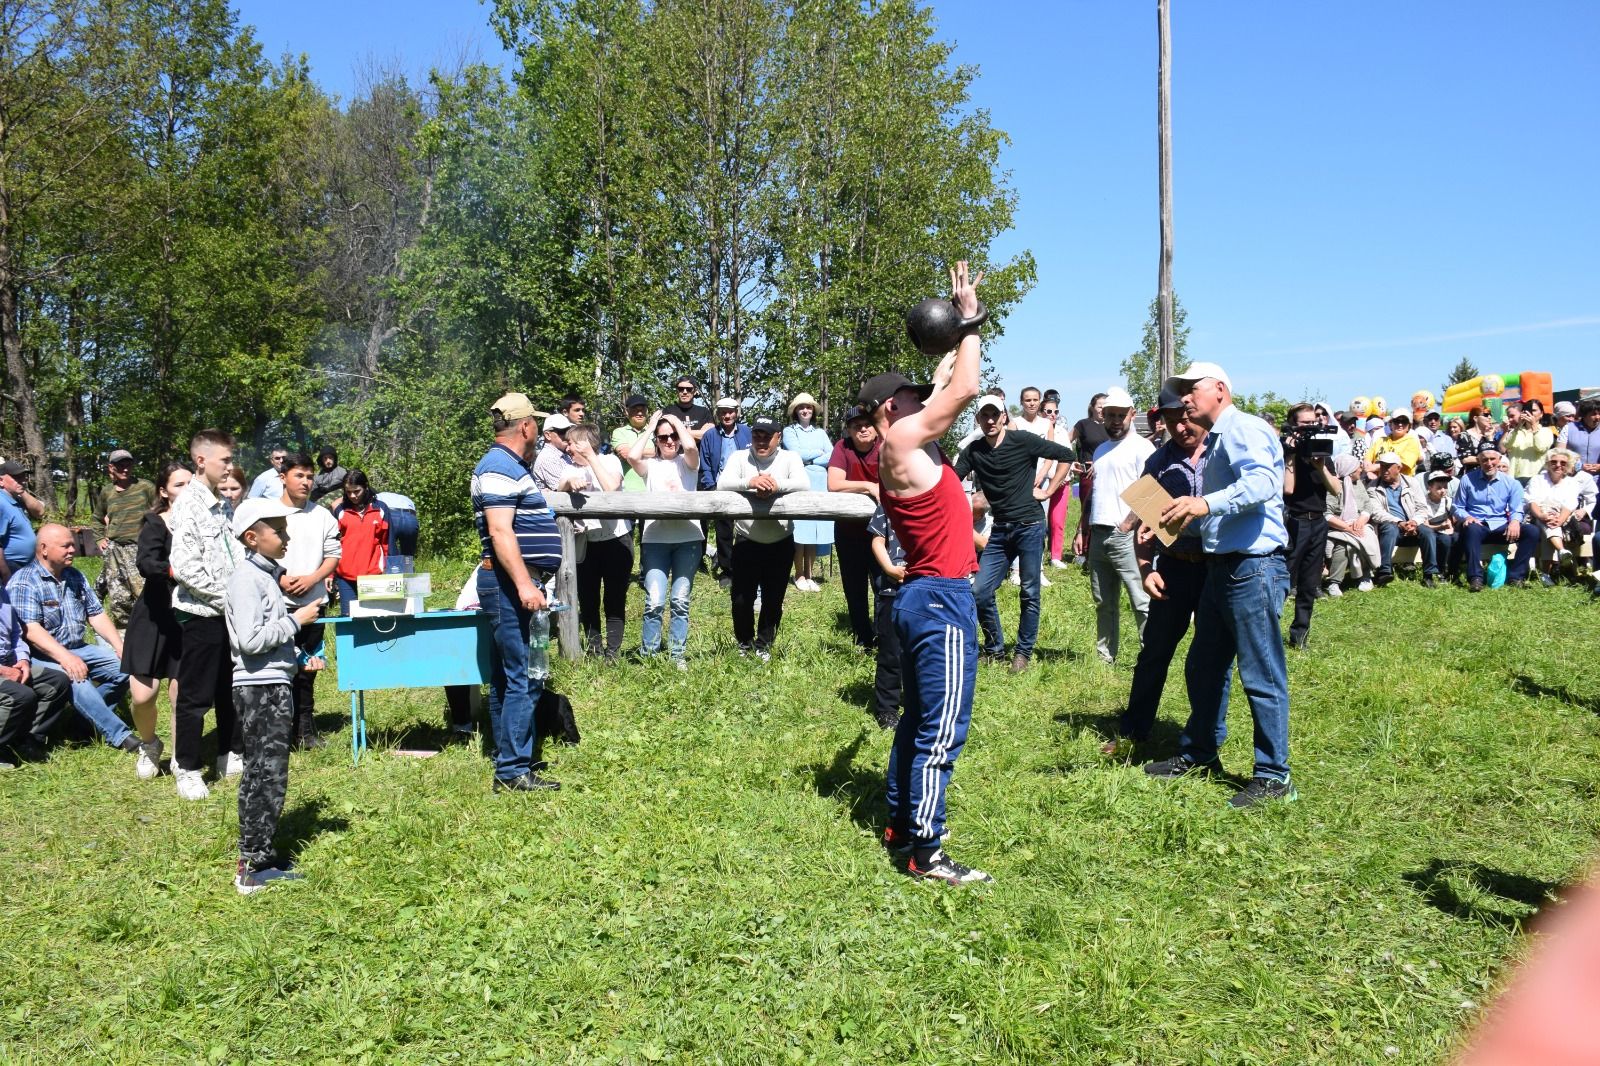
261 635
891 559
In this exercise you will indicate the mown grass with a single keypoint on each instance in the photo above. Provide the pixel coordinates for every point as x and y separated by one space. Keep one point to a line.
708 886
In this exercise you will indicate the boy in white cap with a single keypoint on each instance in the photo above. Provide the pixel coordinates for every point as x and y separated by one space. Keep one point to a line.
261 635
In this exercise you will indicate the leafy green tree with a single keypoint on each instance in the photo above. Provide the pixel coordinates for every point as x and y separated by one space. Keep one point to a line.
1141 370
1465 370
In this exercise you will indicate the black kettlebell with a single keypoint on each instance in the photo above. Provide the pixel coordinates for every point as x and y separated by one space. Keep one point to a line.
936 325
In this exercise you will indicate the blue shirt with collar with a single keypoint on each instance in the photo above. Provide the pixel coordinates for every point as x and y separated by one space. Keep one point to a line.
62 605
1493 502
1180 477
17 538
1243 483
716 448
13 648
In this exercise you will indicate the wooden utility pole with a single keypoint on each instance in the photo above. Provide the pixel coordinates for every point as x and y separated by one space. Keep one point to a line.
1164 133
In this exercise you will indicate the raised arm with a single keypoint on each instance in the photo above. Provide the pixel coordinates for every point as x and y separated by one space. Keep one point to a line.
953 390
635 453
686 440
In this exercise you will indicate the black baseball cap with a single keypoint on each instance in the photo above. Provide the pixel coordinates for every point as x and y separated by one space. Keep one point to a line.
878 389
764 425
1169 400
1483 446
854 412
14 469
635 401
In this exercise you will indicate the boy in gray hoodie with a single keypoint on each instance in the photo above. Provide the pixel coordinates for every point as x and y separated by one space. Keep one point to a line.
261 635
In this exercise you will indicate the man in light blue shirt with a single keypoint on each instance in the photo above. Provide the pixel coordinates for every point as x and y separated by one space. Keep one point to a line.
1489 506
1239 516
268 484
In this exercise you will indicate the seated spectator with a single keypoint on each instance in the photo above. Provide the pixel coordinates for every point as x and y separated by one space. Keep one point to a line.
1556 509
1489 507
1436 531
1352 542
1395 505
54 603
31 705
1400 442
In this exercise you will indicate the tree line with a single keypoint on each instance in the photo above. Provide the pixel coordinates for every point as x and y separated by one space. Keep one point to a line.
193 234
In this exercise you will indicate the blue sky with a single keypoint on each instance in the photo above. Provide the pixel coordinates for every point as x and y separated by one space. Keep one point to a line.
1364 192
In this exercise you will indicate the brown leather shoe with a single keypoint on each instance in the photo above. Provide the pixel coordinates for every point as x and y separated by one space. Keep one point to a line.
1019 663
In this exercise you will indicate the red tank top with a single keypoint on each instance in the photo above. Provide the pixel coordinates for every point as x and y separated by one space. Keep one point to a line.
934 528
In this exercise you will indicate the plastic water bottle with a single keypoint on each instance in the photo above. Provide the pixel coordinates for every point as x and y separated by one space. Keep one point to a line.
539 646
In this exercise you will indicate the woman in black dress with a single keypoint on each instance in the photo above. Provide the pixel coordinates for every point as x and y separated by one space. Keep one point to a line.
153 640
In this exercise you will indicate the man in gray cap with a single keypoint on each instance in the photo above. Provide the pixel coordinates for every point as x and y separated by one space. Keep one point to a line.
120 506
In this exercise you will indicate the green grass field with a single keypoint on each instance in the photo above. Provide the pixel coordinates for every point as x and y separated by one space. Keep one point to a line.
708 885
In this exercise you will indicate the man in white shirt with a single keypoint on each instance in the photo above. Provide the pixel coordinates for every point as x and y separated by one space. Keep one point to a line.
1105 531
309 561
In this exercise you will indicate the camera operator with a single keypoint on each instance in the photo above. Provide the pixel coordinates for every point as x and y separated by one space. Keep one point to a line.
1307 480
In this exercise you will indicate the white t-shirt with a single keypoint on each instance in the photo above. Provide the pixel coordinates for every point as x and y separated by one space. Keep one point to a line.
670 475
313 539
1039 426
599 529
1117 465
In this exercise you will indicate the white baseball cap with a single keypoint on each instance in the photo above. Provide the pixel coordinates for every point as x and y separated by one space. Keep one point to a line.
1117 396
556 423
255 509
1389 459
1198 372
991 400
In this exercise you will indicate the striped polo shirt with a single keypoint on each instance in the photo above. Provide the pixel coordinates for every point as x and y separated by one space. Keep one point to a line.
501 479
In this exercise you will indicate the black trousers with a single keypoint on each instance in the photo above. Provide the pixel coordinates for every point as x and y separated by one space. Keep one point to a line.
607 565
309 638
764 567
725 560
855 573
205 680
1308 553
33 710
1164 628
886 684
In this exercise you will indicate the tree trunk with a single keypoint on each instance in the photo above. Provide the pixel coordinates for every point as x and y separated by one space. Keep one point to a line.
1164 136
17 371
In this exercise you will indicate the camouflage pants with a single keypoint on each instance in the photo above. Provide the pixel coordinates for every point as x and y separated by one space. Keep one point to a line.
266 713
120 583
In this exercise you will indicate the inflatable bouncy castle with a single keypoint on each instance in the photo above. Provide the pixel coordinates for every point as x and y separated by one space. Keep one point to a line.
1494 391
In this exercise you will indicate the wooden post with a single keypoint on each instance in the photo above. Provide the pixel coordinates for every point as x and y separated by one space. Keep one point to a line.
567 592
1164 163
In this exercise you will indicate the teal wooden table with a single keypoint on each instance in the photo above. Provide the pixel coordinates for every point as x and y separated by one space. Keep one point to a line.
428 650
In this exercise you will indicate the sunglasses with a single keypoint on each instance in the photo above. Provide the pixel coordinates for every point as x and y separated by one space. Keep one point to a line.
666 437
685 388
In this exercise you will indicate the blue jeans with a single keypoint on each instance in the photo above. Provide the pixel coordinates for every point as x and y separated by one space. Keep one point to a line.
513 695
1238 619
1436 548
678 561
1388 537
97 697
934 619
1008 541
347 594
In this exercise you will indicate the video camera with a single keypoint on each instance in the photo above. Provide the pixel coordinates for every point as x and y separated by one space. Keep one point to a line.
1310 443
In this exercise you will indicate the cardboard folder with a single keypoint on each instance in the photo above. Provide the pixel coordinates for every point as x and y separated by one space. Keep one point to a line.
1148 499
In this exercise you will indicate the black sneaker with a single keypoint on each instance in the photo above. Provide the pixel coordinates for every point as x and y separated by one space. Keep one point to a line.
1475 585
248 882
1178 766
896 841
130 744
1381 579
528 782
886 719
309 742
1428 581
941 867
1261 790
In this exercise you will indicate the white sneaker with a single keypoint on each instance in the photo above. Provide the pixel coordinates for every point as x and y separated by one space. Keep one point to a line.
191 785
1016 579
233 767
1057 564
1044 582
149 764
1365 586
1335 591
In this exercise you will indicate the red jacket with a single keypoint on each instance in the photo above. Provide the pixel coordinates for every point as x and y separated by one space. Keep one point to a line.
364 539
